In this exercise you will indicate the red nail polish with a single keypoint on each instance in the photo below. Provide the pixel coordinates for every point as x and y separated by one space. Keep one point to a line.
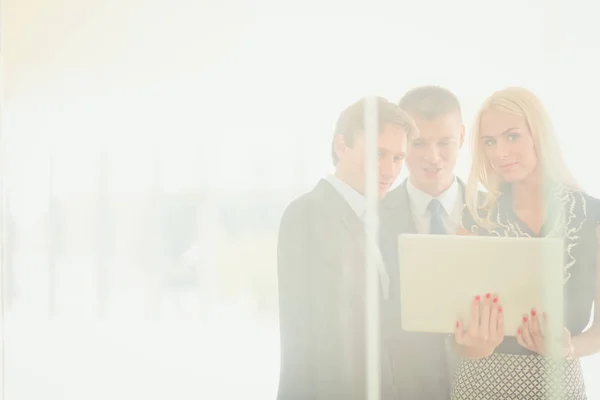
519 331
495 299
477 298
487 295
525 318
500 309
533 313
457 324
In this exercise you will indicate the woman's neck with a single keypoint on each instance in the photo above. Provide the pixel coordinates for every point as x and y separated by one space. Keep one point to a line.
527 196
529 193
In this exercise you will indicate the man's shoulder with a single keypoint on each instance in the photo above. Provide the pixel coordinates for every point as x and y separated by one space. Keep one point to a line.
298 207
395 197
306 204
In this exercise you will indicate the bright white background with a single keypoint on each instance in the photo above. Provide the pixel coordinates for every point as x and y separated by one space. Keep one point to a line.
233 103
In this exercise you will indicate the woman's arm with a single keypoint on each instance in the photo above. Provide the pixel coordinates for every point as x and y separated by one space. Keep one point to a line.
588 343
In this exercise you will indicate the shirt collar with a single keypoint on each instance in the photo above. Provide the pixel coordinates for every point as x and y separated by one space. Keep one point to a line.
420 200
356 200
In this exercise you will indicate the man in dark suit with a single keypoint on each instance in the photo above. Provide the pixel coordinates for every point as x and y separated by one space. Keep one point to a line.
430 201
321 265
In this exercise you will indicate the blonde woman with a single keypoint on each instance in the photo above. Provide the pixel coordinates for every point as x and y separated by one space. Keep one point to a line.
530 193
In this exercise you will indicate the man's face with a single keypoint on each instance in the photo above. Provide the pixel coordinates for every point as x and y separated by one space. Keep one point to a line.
432 155
391 150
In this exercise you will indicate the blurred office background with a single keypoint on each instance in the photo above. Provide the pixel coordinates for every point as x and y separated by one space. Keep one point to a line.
150 147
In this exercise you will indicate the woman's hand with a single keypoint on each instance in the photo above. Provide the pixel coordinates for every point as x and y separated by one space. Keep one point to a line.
534 336
486 328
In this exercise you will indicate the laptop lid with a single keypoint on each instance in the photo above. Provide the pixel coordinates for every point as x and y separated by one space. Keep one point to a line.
441 274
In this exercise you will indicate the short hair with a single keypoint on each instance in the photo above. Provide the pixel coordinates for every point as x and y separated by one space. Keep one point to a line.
430 102
351 122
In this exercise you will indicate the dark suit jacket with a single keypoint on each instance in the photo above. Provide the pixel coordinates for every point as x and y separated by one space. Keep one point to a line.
422 367
322 299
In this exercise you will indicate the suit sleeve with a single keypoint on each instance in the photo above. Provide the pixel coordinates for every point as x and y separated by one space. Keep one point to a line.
296 318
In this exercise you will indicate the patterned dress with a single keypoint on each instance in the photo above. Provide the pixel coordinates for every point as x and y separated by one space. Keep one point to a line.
514 372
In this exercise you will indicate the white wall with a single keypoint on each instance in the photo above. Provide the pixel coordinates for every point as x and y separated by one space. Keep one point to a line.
240 100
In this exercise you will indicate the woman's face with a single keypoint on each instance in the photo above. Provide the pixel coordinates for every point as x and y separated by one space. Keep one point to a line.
508 145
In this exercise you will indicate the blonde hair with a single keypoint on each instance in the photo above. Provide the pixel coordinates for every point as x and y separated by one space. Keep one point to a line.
521 102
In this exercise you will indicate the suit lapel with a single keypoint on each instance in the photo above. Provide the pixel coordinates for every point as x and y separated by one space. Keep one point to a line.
408 222
337 207
397 212
355 229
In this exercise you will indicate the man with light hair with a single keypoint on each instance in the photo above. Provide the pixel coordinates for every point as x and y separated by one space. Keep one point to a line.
321 266
430 201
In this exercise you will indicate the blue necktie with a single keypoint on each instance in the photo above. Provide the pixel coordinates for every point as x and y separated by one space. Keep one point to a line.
437 225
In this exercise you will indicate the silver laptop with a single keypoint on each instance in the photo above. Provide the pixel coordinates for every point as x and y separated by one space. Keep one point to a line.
441 274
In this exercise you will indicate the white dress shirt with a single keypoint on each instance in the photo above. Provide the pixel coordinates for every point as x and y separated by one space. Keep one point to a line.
452 204
355 200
